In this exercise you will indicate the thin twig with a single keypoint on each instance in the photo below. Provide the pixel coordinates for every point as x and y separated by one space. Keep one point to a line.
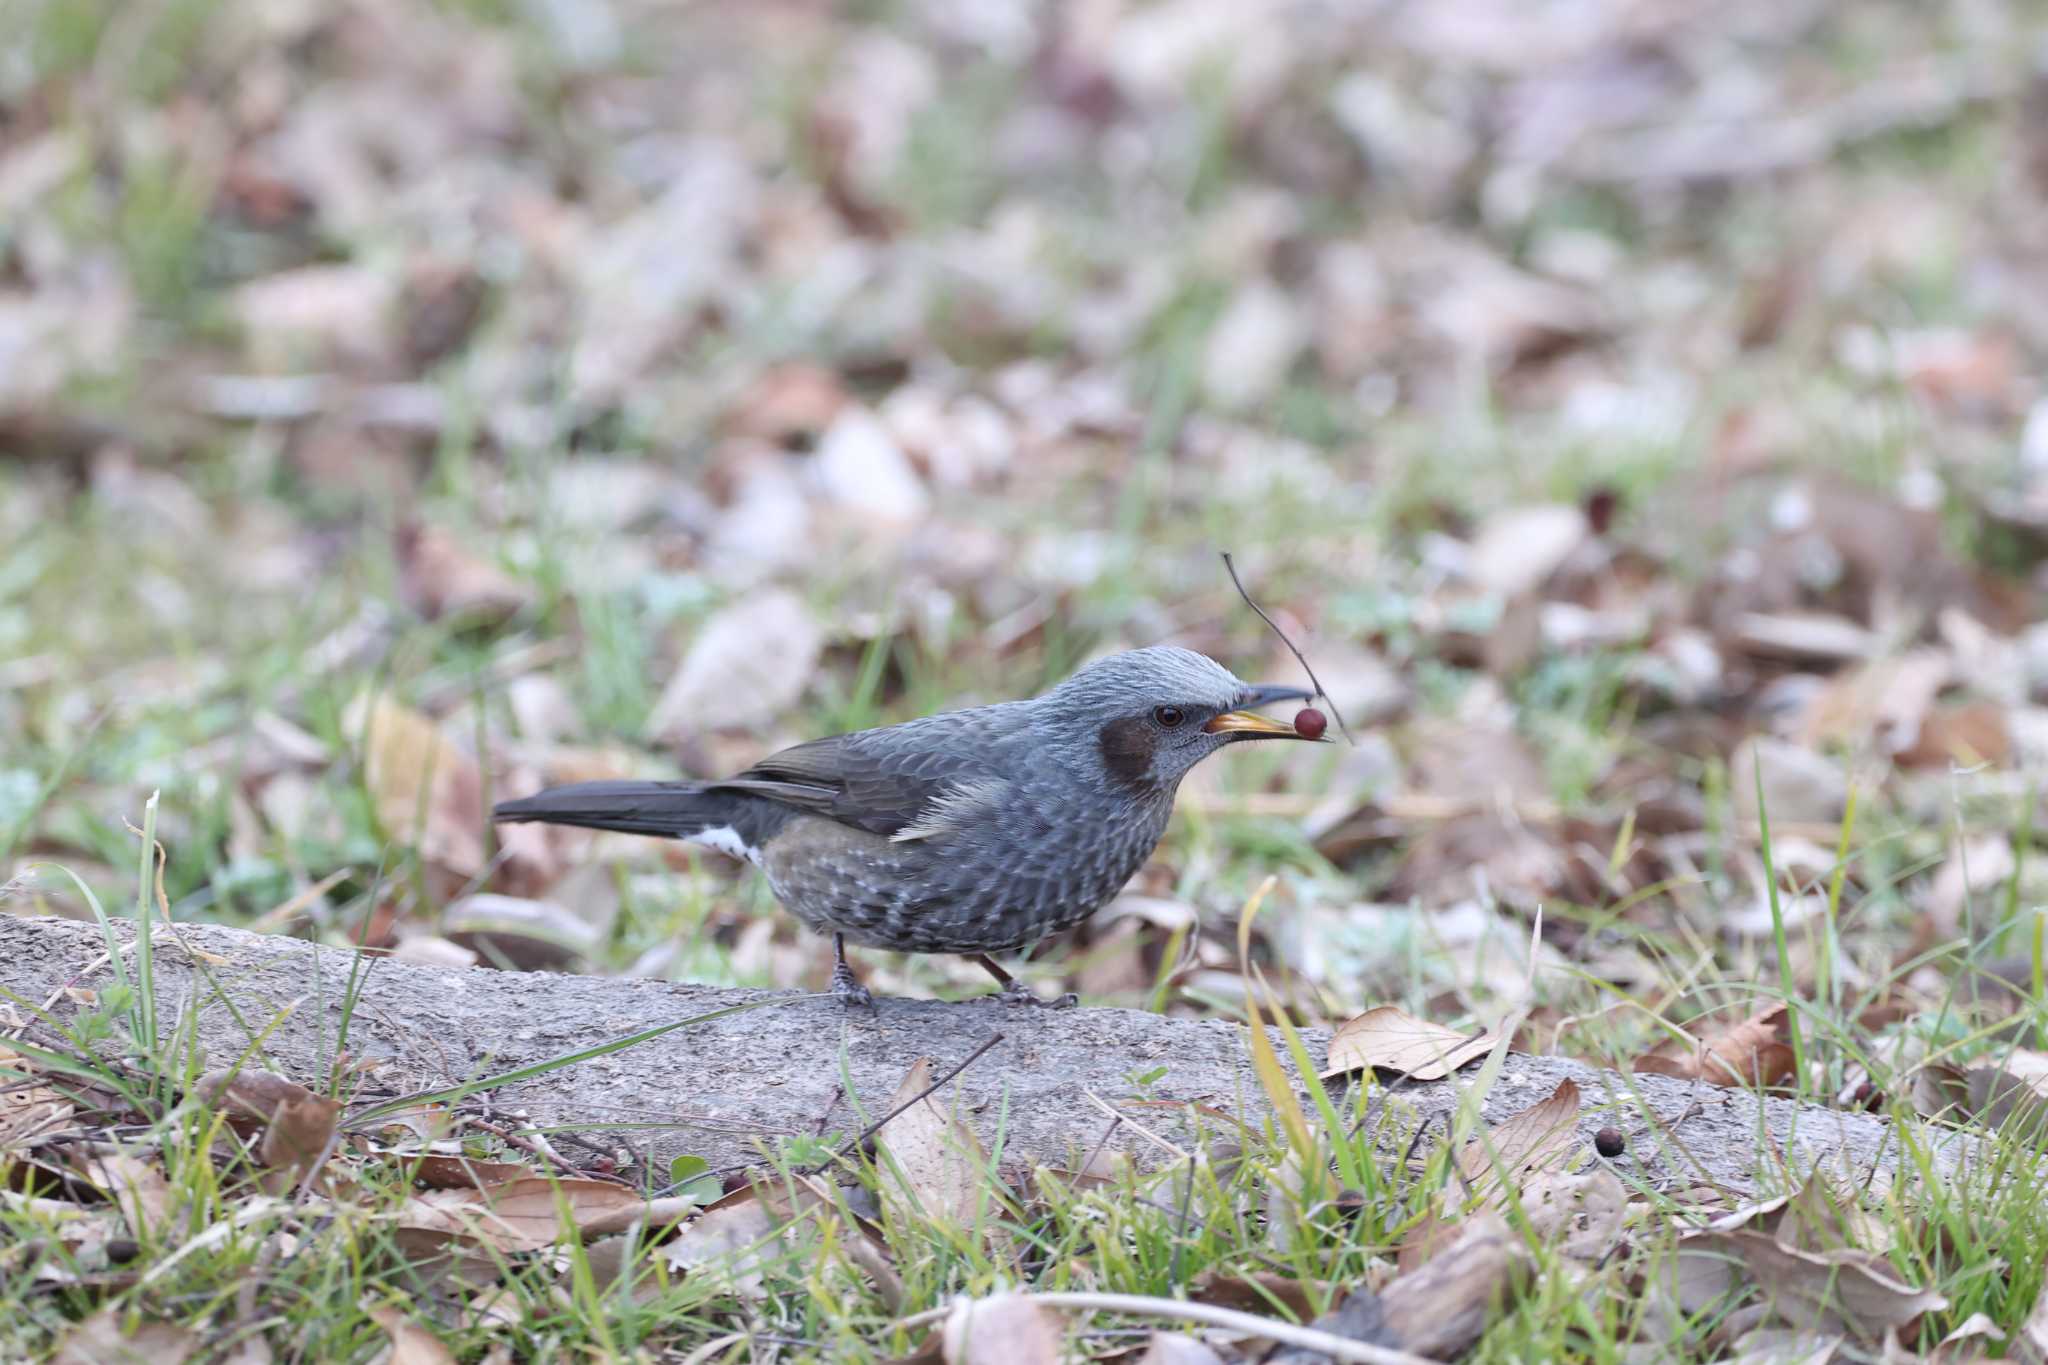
926 1093
1329 1343
1300 658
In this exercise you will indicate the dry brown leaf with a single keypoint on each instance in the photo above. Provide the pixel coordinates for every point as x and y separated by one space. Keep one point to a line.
137 1186
411 1344
944 1167
2012 1097
101 1340
1523 1144
26 1110
743 668
1437 1310
1177 1348
1389 1038
1850 1291
1581 1212
525 1214
788 404
441 577
1262 1292
453 1171
427 791
1755 1052
298 1124
734 1240
1003 1329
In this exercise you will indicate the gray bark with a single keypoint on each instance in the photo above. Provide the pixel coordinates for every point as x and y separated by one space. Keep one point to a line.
730 1088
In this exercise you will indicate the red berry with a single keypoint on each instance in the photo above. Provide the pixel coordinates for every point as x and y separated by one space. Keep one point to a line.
1309 723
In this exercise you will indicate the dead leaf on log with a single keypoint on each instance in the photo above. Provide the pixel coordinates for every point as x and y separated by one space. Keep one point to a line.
1756 1052
1533 1140
944 1166
1388 1038
1439 1310
26 1109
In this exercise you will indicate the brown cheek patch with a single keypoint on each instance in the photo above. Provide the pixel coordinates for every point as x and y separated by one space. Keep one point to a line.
1127 753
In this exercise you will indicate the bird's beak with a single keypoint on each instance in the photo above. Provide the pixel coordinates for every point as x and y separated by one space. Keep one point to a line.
1243 723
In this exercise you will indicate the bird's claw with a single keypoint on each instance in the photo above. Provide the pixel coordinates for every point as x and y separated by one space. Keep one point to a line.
846 988
1015 992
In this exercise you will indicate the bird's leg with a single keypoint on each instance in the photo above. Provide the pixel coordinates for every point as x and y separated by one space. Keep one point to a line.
845 985
1015 992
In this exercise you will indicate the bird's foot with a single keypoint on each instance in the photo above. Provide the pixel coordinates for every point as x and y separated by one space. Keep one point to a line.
1015 992
846 988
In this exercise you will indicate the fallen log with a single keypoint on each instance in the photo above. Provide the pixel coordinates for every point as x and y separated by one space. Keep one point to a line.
1056 1087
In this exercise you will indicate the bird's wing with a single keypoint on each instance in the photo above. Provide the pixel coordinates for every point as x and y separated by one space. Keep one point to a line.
873 781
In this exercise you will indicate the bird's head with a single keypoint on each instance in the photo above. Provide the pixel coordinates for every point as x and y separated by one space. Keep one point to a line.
1148 715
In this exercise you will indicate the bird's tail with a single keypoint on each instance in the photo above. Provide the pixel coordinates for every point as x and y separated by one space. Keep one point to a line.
670 810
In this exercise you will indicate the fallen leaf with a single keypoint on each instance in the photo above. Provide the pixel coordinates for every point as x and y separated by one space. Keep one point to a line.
944 1167
1850 1291
26 1109
1523 1144
1755 1052
1177 1348
1580 1212
1389 1038
1516 549
101 1340
440 577
1439 1309
747 664
1003 1329
298 1125
137 1186
426 790
733 1241
411 1344
525 1214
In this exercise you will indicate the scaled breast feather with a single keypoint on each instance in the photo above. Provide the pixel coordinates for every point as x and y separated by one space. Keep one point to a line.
952 808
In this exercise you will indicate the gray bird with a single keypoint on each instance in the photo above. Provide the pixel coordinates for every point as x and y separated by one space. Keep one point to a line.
975 832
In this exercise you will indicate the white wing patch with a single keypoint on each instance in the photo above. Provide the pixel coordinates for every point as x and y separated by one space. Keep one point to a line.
952 808
727 840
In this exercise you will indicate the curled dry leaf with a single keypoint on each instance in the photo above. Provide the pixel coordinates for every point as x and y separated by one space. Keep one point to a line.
944 1166
2012 1098
411 1344
1850 1291
1580 1212
1756 1052
298 1124
1389 1038
525 1214
1003 1329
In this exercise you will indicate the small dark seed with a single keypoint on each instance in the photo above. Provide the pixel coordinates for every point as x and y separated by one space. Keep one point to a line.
1609 1142
1310 723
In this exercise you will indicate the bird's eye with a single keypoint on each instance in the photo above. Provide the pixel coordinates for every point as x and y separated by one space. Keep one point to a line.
1168 716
